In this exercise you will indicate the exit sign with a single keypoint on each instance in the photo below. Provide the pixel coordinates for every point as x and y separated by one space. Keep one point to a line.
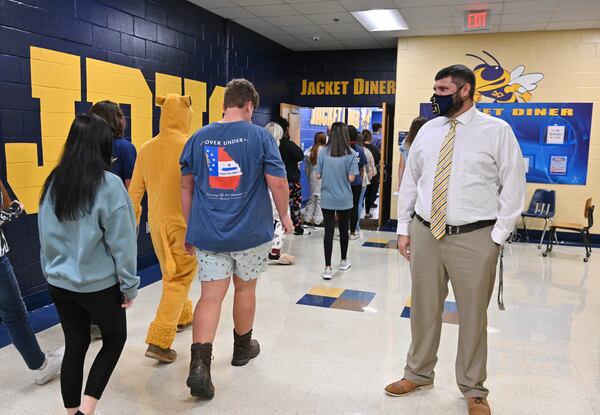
476 20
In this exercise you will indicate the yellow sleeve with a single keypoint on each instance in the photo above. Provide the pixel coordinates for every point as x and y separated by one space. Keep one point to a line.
137 188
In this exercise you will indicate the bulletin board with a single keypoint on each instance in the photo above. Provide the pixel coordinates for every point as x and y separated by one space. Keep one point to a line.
554 137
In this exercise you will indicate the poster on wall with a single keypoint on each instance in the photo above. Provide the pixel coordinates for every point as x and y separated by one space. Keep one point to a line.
554 137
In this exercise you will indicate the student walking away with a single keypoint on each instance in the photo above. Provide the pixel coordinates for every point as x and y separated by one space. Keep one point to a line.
88 255
276 256
123 152
313 215
45 366
227 168
367 175
337 167
357 183
377 135
291 155
157 172
373 188
123 156
465 186
415 126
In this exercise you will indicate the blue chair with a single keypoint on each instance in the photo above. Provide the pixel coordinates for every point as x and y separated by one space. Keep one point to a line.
542 206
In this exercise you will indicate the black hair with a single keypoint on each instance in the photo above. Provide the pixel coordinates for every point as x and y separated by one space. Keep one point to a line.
339 140
282 122
460 73
353 133
74 182
376 126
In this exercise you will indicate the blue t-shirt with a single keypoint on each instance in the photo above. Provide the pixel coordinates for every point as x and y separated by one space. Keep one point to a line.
124 155
231 209
361 159
336 193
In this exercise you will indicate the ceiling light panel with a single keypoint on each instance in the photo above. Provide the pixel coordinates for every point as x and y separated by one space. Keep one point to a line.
381 20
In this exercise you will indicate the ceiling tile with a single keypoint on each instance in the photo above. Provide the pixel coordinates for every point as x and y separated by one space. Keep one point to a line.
289 20
271 32
356 5
525 18
233 12
362 44
575 15
253 22
257 2
535 6
345 17
319 6
494 8
414 13
304 30
430 23
344 27
523 27
211 4
566 5
274 10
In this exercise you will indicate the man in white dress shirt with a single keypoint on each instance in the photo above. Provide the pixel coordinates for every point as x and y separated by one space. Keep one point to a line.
461 194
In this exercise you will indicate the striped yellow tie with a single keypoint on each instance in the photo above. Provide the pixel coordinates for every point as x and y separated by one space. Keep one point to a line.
439 197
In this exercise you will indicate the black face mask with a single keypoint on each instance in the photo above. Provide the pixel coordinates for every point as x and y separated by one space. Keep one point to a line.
443 104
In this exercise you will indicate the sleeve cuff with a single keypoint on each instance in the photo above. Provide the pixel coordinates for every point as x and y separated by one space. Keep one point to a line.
402 228
186 170
499 236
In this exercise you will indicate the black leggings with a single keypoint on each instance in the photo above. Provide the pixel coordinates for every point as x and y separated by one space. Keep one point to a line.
356 191
329 220
75 311
371 194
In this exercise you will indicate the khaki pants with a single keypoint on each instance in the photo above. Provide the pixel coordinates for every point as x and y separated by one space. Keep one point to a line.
469 261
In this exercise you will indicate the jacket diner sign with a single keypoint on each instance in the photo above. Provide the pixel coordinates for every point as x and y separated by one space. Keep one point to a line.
358 86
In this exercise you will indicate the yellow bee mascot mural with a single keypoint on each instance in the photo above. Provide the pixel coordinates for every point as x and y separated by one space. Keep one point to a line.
495 82
157 172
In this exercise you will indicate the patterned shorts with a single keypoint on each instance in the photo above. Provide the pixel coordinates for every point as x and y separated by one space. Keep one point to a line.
248 264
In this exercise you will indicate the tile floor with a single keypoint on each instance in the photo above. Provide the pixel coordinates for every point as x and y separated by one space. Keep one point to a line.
544 350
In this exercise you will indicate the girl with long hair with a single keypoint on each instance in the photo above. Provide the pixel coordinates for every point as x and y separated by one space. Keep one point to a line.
88 255
337 167
415 126
313 215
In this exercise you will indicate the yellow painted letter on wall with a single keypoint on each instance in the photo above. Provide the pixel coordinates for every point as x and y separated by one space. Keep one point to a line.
196 90
56 82
215 106
167 84
123 85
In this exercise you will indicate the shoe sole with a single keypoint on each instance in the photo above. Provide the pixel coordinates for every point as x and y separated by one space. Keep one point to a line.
243 362
159 357
345 268
326 278
198 389
418 388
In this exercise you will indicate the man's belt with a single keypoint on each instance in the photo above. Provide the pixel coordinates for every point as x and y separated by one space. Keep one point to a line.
455 230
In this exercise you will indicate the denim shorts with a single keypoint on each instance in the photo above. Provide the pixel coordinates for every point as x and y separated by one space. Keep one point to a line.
247 264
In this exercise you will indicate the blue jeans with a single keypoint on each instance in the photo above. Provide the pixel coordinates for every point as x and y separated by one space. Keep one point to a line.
14 316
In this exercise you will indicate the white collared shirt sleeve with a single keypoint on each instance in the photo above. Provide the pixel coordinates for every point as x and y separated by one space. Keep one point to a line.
407 194
511 169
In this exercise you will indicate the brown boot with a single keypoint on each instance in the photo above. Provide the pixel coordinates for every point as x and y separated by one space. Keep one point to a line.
479 406
162 355
405 387
244 348
199 380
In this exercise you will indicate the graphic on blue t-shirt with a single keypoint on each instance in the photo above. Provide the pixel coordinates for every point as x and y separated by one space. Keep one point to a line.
223 172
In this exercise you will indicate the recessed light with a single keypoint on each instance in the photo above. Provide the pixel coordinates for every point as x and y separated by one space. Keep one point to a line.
381 20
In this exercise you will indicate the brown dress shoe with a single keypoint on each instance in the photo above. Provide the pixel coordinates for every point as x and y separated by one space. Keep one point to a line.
405 387
479 406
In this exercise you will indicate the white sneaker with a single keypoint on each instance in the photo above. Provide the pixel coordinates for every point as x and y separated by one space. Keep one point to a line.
328 273
354 236
51 368
345 264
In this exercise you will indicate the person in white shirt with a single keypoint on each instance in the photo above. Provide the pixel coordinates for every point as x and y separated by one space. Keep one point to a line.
461 194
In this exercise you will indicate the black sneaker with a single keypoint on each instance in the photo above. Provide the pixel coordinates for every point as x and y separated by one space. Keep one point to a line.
298 230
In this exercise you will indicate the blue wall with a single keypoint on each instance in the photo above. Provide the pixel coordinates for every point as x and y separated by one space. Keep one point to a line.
173 37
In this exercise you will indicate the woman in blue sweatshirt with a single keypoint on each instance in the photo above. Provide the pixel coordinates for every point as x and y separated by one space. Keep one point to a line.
88 255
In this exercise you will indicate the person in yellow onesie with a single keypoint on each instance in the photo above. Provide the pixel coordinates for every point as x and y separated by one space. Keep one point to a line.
157 172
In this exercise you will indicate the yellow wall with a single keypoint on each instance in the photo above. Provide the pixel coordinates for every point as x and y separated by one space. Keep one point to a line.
569 60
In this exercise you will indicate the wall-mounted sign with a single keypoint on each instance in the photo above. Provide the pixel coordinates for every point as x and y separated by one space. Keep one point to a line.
476 20
358 86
